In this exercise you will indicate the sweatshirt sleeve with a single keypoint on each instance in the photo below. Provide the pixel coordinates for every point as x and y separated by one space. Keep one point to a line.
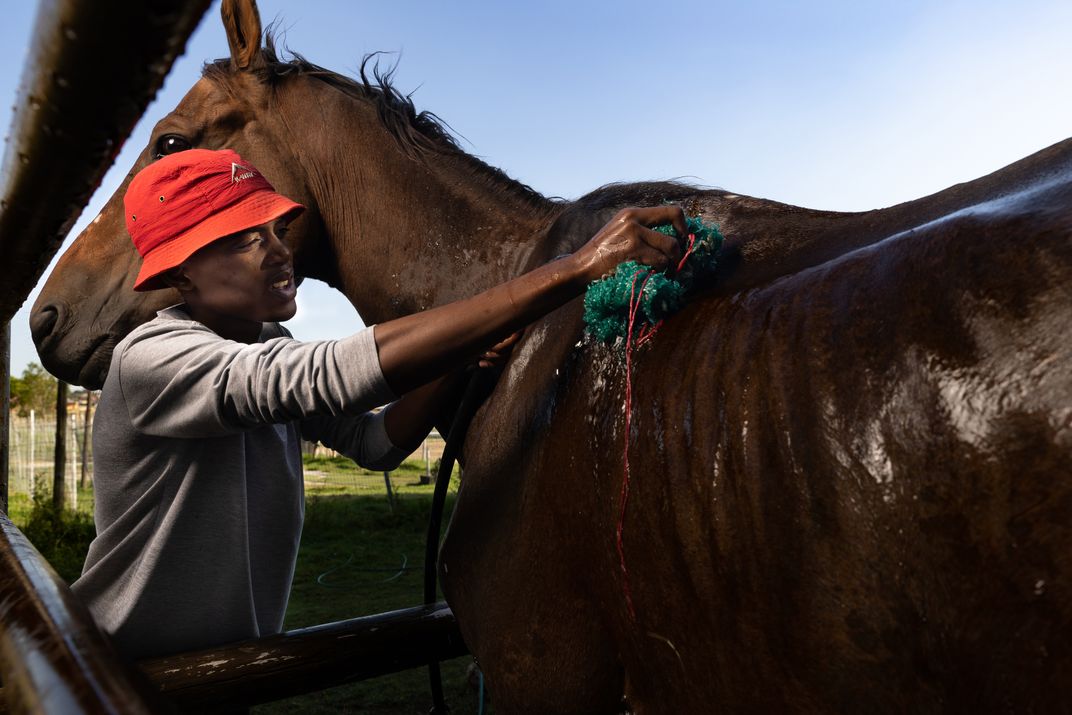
189 382
362 438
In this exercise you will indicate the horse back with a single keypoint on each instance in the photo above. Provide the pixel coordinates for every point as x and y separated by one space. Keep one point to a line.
846 480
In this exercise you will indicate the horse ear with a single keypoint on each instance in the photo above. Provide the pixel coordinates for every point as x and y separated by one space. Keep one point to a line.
243 24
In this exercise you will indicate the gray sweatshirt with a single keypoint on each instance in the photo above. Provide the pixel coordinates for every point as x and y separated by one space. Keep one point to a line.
198 476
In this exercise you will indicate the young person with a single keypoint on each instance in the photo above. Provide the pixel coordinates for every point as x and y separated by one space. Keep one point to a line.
197 465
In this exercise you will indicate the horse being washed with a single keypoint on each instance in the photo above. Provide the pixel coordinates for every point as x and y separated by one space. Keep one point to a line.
850 456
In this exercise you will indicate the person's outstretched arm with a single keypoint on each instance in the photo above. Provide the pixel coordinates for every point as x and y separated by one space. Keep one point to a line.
418 348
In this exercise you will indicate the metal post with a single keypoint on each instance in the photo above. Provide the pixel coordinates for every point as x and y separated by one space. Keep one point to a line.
5 411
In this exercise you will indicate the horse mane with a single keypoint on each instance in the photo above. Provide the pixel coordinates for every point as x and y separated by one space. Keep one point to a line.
418 134
640 193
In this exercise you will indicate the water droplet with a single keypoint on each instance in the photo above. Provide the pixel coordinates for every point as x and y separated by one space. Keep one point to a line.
69 32
60 80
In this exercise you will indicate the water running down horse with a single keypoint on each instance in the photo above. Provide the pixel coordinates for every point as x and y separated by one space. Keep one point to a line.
850 457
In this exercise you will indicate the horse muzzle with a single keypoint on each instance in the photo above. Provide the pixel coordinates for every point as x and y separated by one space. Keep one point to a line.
66 353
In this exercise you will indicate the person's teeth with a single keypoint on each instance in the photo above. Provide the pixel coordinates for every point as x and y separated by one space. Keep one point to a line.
281 284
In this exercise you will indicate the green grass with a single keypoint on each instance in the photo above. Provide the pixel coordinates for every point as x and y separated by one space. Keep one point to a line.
351 532
345 538
62 537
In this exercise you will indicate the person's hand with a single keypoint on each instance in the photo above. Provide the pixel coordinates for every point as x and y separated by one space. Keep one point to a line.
497 354
417 348
627 237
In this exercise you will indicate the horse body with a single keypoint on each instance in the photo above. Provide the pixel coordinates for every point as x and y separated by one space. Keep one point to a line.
848 483
848 454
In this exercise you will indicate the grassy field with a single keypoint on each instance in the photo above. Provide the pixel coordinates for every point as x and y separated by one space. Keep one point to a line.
360 554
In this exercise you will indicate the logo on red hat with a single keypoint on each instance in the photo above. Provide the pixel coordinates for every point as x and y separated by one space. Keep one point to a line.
239 172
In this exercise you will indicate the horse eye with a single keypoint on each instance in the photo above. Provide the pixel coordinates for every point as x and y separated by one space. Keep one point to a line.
170 144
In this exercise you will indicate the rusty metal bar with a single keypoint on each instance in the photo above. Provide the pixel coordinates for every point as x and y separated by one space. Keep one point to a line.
309 659
93 68
53 659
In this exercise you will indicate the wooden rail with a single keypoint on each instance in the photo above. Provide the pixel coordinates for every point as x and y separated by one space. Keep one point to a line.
53 659
302 661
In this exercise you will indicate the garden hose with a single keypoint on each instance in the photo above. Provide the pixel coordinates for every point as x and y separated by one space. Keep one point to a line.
471 400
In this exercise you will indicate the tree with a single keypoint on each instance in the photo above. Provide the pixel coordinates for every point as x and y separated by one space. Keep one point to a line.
35 390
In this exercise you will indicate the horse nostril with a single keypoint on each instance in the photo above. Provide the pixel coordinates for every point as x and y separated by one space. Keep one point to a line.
43 322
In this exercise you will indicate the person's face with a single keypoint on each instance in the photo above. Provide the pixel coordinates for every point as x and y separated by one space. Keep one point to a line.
238 282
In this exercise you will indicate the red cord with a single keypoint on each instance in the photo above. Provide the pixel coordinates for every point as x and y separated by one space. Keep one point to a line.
647 332
688 252
635 297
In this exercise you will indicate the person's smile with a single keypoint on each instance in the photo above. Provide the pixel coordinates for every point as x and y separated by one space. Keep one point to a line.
283 284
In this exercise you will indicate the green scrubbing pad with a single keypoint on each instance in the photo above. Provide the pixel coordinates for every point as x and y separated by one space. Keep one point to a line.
606 303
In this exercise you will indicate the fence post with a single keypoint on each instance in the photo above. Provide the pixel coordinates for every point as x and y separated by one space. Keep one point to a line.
427 478
59 466
390 491
33 455
5 411
72 446
85 439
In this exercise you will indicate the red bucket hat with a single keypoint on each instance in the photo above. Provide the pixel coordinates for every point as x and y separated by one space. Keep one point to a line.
187 200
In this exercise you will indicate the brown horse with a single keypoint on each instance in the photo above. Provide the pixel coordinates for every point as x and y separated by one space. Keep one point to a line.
850 455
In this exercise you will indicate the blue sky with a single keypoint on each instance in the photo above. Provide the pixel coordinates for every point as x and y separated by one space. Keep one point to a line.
834 105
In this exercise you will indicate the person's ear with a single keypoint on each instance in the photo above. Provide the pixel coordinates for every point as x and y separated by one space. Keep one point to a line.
178 279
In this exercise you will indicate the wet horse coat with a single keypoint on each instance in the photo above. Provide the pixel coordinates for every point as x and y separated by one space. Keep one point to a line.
850 454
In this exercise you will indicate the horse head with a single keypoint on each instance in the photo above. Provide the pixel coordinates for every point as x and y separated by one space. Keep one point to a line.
242 102
381 183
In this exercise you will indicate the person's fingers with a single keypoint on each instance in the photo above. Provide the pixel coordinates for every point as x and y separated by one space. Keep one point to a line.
507 342
666 245
656 216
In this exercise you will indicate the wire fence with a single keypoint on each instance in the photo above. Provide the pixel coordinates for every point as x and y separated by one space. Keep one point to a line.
32 450
31 462
327 472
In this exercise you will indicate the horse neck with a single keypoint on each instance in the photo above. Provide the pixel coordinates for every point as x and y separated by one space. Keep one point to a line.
408 234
